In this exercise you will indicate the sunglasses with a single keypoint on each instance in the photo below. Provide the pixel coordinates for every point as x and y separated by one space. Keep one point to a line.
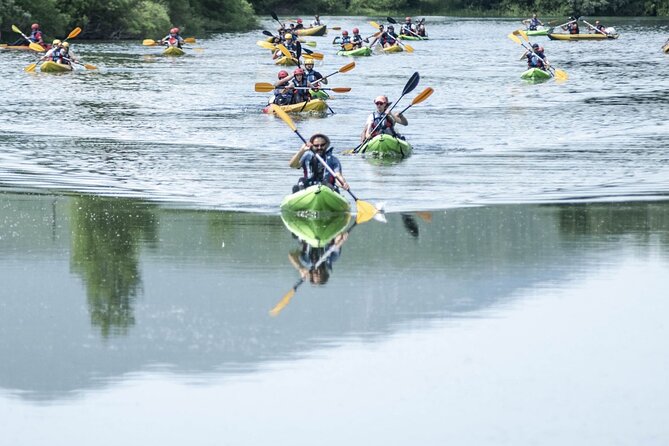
319 145
380 103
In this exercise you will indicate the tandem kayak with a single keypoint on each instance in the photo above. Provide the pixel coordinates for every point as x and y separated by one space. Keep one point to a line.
387 146
315 105
393 49
287 61
313 31
53 67
173 51
316 231
598 36
535 74
362 51
410 37
316 199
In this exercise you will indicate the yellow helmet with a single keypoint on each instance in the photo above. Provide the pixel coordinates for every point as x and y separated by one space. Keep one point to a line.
66 44
55 42
288 36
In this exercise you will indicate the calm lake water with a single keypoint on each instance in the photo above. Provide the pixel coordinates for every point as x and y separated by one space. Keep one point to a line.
516 295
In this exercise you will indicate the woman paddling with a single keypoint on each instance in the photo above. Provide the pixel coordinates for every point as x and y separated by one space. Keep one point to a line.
380 122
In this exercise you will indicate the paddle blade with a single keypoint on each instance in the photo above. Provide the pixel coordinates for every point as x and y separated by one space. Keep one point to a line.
284 116
341 89
523 34
267 33
513 37
264 87
411 84
347 67
422 96
265 44
284 50
375 25
274 16
561 75
16 29
30 68
336 28
36 47
148 42
391 20
190 40
74 33
348 46
285 300
90 67
366 211
408 48
317 56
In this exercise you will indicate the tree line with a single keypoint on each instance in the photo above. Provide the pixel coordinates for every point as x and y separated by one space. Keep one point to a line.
121 19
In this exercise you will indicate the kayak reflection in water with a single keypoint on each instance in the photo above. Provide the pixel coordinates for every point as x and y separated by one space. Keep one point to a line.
313 170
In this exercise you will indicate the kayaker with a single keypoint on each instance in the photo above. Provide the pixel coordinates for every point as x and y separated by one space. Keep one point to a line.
66 55
598 28
357 39
537 58
383 38
293 45
173 38
283 92
572 26
312 75
317 21
299 25
302 85
313 171
35 36
408 29
381 121
420 28
533 23
391 32
54 54
342 40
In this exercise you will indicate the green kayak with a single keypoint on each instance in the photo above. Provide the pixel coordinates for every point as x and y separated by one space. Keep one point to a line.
363 51
317 232
535 74
318 94
410 37
538 32
386 146
317 198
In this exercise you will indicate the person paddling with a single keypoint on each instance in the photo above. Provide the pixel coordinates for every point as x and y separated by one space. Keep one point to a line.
283 93
36 36
173 38
572 26
384 39
317 21
407 29
537 58
54 54
381 122
598 28
312 75
357 39
420 29
66 55
313 171
533 23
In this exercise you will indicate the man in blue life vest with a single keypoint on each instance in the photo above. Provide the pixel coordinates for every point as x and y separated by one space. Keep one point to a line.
313 170
408 28
381 122
536 59
533 23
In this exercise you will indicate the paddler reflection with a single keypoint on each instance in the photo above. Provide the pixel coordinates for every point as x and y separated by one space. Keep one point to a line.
321 240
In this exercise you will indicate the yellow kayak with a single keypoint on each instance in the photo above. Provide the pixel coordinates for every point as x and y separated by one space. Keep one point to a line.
597 36
53 67
313 31
286 61
315 105
173 51
393 49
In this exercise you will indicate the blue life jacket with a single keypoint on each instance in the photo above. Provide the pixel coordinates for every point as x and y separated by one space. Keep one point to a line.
56 54
35 36
312 75
534 23
300 95
314 172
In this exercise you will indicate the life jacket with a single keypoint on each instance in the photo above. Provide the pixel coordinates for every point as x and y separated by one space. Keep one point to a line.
312 76
357 39
56 55
36 36
345 40
573 28
534 23
300 95
407 29
386 39
420 30
386 125
282 95
315 172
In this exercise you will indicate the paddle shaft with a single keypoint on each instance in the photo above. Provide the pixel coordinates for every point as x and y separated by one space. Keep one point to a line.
595 28
394 22
551 70
376 127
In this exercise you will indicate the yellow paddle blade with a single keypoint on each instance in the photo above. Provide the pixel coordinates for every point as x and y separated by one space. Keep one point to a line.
284 50
30 68
422 96
90 67
264 87
347 67
36 47
265 44
74 33
425 215
282 303
366 211
513 37
190 40
16 29
348 46
561 75
148 42
336 28
283 115
341 89
375 25
523 34
409 48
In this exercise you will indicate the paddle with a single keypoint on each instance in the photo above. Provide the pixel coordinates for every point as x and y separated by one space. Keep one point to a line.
365 210
595 28
285 300
411 84
17 30
266 87
306 42
558 74
346 68
85 65
394 22
37 47
275 17
312 54
407 47
336 28
151 42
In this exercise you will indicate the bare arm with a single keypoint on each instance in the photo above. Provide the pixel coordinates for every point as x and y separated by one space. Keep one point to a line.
295 160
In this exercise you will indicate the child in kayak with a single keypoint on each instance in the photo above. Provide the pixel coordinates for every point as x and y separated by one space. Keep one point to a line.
381 121
283 92
357 39
313 170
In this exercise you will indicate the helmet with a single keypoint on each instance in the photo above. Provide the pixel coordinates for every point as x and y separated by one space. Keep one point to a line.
308 61
174 31
282 74
35 26
535 45
298 71
66 44
344 33
408 19
356 30
56 42
596 22
288 36
299 20
391 27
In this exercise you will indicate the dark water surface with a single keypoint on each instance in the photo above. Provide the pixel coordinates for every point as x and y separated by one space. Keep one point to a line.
516 295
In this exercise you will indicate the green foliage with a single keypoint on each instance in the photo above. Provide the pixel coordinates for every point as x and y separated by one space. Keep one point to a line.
147 18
